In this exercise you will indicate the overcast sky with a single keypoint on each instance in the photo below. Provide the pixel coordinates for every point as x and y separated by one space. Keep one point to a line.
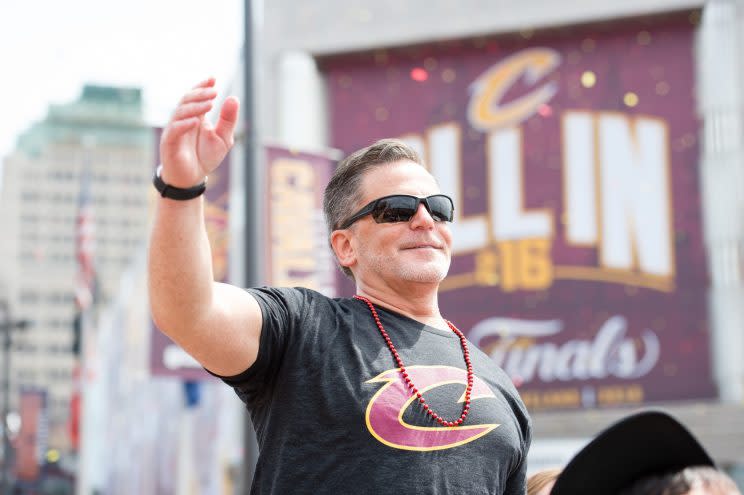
51 48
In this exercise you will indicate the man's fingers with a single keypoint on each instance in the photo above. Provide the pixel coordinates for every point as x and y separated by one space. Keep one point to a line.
228 120
198 109
207 83
199 94
179 127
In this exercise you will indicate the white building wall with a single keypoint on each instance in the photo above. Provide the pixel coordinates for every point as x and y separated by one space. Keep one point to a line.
722 172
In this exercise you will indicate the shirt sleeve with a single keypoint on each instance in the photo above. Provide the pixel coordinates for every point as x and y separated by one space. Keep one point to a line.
516 484
282 310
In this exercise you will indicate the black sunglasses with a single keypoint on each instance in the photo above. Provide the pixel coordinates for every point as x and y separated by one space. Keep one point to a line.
402 207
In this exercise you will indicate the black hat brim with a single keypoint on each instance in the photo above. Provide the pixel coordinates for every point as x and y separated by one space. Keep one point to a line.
650 443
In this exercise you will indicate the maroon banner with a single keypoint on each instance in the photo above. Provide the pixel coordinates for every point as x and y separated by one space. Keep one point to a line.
572 157
32 438
296 235
167 358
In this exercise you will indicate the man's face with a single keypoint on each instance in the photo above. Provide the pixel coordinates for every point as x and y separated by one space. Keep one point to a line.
413 251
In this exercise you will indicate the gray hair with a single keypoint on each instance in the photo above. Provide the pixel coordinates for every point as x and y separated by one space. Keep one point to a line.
343 190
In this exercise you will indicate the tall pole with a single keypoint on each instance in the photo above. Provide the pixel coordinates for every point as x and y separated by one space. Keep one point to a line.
6 326
252 219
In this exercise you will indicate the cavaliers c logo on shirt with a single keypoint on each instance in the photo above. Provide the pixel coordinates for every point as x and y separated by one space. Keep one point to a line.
385 410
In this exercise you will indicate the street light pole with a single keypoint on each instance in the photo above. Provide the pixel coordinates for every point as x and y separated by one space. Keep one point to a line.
252 278
6 326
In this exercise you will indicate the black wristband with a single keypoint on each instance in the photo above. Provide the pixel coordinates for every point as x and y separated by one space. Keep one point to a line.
178 193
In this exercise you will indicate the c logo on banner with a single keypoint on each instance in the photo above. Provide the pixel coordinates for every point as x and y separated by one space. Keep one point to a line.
485 111
385 410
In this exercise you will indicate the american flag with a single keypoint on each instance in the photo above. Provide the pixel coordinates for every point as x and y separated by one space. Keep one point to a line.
85 244
85 290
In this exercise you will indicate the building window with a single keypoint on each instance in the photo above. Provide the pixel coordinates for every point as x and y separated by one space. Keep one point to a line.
28 296
26 347
26 375
58 374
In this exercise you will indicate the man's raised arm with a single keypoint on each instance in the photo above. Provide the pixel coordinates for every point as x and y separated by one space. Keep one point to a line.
218 324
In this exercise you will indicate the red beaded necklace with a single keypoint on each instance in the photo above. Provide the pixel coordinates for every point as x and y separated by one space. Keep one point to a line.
409 383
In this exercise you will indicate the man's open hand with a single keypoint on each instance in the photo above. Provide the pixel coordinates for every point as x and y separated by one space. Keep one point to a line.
191 147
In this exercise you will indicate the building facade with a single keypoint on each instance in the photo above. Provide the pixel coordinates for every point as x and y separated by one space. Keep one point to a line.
101 135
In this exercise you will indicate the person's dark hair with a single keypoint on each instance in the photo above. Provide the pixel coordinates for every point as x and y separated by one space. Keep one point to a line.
708 480
342 192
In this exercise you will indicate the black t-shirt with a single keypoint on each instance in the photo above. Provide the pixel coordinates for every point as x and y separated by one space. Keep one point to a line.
332 414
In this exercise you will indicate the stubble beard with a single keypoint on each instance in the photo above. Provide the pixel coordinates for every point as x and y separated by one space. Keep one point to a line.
430 271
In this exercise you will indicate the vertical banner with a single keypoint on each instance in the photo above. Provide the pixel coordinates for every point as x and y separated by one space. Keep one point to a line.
297 238
572 158
167 358
31 443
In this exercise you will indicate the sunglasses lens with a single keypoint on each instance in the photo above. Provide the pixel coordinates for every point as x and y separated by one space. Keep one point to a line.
394 209
441 208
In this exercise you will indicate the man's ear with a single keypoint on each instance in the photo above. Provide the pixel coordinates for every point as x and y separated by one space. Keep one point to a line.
342 246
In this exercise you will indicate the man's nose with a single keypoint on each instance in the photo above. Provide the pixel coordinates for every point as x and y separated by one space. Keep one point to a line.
422 218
